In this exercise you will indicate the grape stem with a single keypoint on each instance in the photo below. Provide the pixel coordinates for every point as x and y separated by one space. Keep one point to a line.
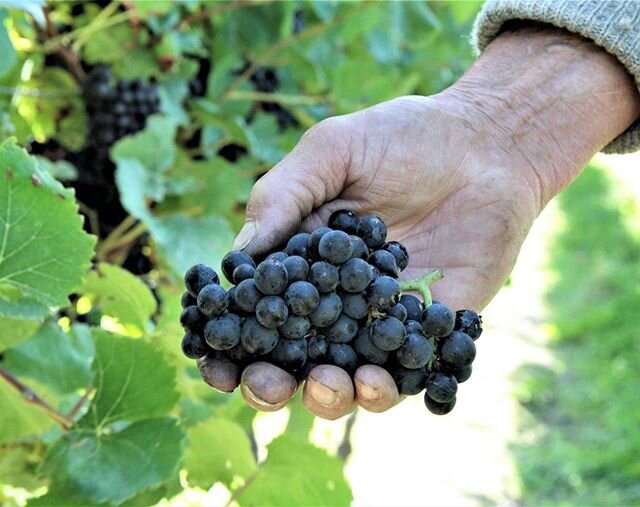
422 283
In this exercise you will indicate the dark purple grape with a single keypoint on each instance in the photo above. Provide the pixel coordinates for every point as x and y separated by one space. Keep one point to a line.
246 295
223 332
194 346
416 351
295 327
314 242
355 305
297 268
192 319
324 276
277 256
413 327
188 300
441 387
372 230
302 298
469 322
197 277
355 275
271 312
367 351
413 305
385 262
437 408
342 330
438 320
399 312
343 356
458 350
328 310
213 300
317 348
387 333
344 220
335 247
409 382
238 355
243 272
271 277
257 339
359 249
399 251
297 245
234 259
290 355
463 374
383 293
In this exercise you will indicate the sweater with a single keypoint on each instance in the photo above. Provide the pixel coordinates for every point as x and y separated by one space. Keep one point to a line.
612 24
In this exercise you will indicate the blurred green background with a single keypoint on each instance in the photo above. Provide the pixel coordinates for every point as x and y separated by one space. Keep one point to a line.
551 413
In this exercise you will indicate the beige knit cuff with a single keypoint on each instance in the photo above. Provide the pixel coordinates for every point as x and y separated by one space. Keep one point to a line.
612 24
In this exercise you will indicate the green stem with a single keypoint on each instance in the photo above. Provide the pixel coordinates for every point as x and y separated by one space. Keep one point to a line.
422 283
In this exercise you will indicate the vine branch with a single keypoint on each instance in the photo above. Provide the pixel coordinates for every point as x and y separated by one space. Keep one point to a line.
31 397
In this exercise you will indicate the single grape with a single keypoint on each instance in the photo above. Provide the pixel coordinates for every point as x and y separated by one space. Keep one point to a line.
328 310
343 356
192 319
441 387
233 306
194 346
355 305
234 259
355 275
223 332
437 408
238 355
257 339
342 330
243 272
188 300
409 382
383 293
416 351
463 374
277 256
314 242
295 327
385 262
271 311
297 244
271 277
413 305
438 320
359 248
469 322
367 351
458 350
297 268
290 355
372 230
324 276
317 348
387 333
197 277
399 312
247 295
335 247
399 251
344 220
413 327
302 298
213 300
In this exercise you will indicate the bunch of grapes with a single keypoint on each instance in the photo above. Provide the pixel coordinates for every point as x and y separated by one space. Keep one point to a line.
117 108
330 297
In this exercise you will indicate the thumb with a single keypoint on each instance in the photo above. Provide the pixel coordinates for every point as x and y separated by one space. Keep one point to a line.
313 173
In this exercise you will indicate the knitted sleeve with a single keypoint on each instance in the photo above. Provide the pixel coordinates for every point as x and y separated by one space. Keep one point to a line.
612 24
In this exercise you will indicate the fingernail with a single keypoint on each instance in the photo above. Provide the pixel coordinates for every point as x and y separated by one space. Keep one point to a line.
245 235
367 392
255 398
321 393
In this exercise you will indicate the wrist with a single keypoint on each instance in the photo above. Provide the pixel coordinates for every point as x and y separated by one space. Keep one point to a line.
549 99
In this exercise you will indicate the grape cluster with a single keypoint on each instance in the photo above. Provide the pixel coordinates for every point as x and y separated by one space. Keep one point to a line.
329 297
117 108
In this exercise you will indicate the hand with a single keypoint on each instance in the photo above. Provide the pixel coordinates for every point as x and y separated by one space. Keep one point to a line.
458 177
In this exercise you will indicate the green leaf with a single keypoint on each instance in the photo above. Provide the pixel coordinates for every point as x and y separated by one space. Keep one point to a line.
44 252
60 169
120 295
54 358
96 468
262 134
297 473
18 465
184 240
19 417
19 319
133 381
7 50
218 451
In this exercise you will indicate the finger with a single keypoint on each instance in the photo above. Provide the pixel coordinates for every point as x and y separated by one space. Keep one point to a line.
266 387
221 374
311 174
375 389
328 392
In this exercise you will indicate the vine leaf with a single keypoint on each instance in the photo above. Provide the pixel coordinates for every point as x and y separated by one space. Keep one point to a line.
122 296
218 451
61 361
97 468
133 381
44 253
18 417
297 473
